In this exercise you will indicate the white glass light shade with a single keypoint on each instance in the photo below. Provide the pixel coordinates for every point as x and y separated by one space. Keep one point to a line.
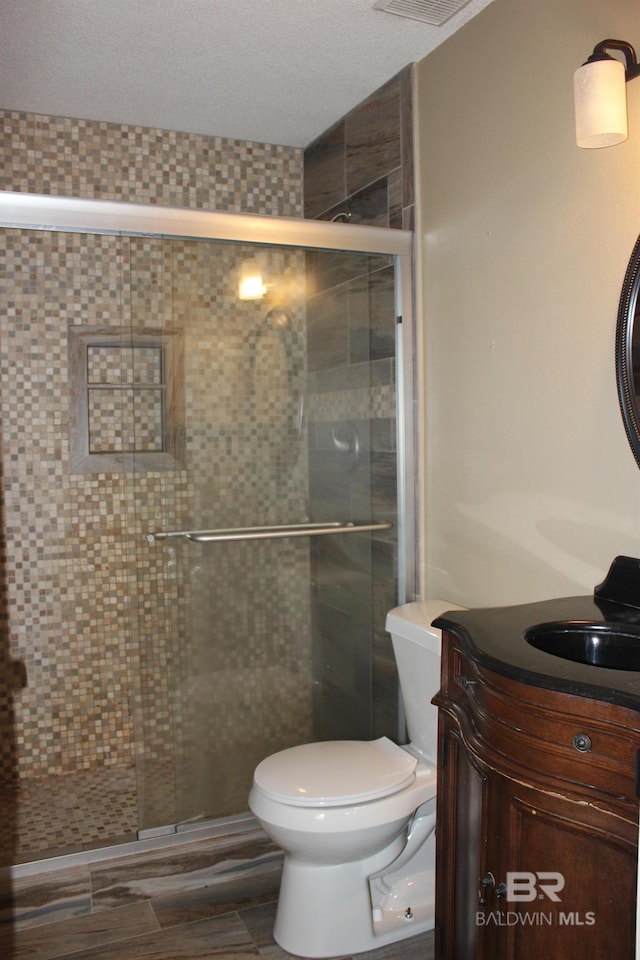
601 103
251 286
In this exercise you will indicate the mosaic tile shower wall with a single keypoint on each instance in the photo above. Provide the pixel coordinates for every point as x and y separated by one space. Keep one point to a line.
116 633
108 161
67 586
244 691
95 614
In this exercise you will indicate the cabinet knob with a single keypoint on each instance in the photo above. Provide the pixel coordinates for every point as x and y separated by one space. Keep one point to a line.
582 742
466 682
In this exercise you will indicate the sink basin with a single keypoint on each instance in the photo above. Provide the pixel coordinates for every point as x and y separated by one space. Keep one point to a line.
612 645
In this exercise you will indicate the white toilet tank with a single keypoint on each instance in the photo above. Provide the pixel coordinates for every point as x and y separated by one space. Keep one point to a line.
416 645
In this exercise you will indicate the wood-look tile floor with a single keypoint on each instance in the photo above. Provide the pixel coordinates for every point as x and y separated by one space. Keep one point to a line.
213 898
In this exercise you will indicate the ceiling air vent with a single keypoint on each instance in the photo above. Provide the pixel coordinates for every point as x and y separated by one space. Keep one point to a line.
435 12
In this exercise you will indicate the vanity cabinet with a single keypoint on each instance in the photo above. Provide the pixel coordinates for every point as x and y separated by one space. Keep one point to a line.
537 820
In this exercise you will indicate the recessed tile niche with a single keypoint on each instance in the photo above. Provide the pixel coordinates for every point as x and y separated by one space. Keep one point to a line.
126 399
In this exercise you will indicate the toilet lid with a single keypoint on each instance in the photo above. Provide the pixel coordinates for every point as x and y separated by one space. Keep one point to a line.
336 772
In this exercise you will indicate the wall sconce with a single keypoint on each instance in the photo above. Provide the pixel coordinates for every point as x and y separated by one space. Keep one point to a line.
600 92
251 286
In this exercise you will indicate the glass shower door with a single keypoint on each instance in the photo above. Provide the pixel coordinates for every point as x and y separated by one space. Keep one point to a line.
289 418
176 407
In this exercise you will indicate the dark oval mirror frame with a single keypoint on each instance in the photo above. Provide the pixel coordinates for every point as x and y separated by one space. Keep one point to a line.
628 352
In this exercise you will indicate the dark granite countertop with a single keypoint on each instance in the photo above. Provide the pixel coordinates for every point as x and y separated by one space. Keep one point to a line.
495 638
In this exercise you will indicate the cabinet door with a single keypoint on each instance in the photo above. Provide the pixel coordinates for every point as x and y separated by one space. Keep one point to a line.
568 875
563 872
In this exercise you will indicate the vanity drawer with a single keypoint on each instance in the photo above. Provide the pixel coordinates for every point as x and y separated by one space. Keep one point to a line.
568 741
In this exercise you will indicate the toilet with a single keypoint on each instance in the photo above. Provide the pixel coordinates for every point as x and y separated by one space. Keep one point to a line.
356 819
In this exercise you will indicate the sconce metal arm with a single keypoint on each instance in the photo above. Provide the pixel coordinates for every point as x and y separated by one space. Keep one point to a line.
600 53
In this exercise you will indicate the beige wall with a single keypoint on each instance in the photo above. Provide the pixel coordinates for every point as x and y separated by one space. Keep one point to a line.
530 487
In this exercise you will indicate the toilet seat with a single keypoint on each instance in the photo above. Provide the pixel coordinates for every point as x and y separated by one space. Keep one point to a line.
336 772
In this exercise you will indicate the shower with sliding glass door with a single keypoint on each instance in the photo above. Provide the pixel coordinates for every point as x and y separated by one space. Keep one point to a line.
204 512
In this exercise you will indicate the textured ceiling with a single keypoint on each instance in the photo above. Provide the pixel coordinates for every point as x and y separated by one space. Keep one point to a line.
273 71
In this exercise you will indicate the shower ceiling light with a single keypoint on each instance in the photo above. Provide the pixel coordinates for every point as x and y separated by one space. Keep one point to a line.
601 95
251 286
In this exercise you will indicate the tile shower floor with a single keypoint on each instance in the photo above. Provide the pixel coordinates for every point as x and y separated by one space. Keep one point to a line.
212 897
60 815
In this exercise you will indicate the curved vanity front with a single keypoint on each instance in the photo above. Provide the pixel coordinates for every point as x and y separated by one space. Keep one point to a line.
537 806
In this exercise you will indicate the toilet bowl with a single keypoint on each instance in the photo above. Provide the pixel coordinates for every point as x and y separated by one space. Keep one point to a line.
356 819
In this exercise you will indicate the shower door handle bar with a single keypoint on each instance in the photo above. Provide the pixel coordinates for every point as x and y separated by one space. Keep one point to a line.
272 533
